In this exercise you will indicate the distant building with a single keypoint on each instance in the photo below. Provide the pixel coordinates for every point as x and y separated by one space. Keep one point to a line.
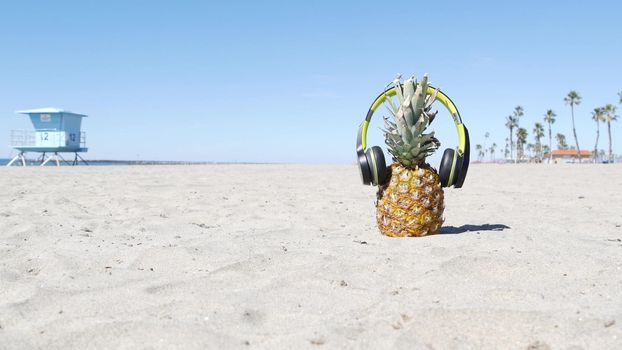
570 156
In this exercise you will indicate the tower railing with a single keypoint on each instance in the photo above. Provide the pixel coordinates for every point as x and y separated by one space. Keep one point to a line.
51 138
22 138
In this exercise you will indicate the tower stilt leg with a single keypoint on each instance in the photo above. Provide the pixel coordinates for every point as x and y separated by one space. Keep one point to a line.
59 158
19 156
47 160
82 159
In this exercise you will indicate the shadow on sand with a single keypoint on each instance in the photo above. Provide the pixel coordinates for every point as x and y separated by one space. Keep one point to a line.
452 230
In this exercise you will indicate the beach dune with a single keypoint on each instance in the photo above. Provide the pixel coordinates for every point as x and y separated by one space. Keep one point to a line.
289 256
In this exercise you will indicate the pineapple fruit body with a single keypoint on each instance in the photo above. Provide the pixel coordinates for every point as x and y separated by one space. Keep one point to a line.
411 203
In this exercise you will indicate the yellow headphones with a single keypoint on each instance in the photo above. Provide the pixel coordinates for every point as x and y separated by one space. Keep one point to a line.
454 164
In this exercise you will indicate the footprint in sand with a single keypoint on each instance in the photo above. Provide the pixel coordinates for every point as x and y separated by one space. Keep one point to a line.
254 317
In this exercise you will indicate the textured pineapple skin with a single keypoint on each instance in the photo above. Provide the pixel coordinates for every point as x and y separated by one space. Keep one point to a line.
411 203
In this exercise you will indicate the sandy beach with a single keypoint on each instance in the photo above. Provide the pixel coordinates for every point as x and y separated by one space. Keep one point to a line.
289 256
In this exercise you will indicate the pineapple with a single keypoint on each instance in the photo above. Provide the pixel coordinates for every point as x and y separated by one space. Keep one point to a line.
411 202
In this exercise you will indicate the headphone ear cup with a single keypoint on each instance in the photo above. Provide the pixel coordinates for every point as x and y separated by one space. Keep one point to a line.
377 165
447 162
464 161
381 164
364 170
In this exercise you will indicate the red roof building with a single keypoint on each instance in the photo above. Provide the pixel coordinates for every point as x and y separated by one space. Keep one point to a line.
570 156
559 153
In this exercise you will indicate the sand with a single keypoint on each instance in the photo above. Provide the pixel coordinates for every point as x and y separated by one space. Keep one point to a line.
288 256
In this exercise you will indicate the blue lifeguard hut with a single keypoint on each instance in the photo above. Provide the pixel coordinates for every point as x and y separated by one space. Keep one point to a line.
56 131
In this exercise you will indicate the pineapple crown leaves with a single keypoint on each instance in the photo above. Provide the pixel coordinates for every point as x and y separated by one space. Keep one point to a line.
412 115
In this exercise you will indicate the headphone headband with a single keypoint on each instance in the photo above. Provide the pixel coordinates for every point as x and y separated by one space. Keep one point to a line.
391 91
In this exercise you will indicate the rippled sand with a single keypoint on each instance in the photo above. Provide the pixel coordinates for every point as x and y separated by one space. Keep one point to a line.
288 256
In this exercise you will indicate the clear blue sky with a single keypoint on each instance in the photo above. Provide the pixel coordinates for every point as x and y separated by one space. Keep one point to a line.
287 81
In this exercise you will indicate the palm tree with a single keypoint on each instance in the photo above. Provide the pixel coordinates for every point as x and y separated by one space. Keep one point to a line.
538 133
620 96
506 151
518 112
610 116
486 135
598 116
549 118
521 138
573 99
546 151
561 141
530 148
479 151
511 123
493 147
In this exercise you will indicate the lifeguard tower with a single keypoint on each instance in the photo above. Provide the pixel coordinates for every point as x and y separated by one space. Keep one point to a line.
56 131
